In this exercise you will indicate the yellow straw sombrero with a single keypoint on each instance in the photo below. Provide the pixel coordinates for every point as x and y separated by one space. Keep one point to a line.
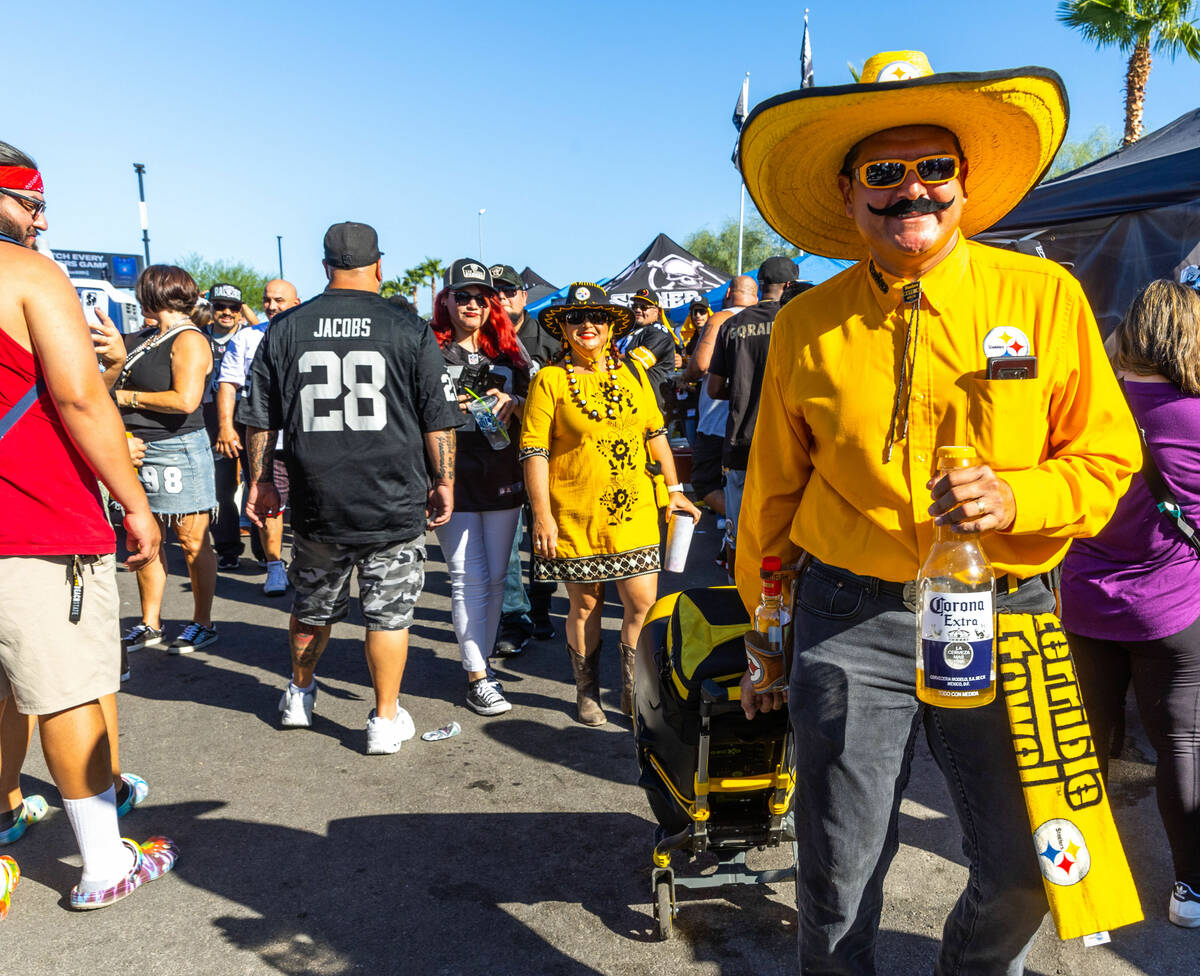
1009 124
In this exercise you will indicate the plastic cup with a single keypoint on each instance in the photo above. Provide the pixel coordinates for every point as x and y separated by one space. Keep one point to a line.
679 541
489 426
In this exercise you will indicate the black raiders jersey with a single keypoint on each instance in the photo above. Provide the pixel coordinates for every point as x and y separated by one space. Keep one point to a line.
354 384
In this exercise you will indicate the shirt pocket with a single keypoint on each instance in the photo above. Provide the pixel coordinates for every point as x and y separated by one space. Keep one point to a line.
1007 420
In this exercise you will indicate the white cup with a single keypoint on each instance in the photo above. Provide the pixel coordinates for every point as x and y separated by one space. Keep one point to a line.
679 541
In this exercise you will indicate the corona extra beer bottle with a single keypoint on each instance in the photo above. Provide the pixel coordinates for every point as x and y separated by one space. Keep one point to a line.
956 613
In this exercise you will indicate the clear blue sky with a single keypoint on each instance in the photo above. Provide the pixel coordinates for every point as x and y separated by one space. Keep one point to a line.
583 131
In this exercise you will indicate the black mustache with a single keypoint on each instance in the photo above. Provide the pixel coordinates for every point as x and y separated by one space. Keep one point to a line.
902 208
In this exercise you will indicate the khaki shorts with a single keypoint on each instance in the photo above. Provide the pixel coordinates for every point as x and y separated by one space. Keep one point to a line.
47 663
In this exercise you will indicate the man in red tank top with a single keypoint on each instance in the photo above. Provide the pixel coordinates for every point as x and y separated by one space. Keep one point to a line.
59 639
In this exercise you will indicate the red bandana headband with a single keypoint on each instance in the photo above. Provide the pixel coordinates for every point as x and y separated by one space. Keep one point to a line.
21 178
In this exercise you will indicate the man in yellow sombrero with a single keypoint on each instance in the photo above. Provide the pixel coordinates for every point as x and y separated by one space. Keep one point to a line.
868 374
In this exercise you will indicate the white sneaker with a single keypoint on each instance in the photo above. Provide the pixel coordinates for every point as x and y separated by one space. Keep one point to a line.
297 706
277 581
1185 906
385 735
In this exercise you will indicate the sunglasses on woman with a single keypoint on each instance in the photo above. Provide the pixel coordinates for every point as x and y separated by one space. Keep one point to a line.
466 297
577 316
883 174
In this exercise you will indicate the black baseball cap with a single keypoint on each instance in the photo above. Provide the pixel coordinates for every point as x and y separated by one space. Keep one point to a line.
468 271
222 291
777 271
351 245
505 274
700 303
646 296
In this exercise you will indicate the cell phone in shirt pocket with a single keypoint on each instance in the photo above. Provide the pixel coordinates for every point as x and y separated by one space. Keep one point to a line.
1012 368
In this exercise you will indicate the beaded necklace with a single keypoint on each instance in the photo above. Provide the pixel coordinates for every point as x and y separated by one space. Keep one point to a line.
612 389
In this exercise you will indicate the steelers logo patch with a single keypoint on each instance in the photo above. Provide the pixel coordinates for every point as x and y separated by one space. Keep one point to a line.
582 294
1004 340
1063 854
899 71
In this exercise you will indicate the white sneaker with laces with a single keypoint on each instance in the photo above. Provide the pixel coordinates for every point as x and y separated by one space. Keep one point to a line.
297 706
385 735
1185 906
277 581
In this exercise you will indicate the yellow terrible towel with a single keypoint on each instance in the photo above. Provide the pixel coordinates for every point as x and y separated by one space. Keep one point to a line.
1084 870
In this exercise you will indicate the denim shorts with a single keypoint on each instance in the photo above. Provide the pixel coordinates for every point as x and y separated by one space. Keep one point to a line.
177 474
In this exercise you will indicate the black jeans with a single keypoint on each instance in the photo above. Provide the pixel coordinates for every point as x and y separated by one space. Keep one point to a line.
1166 682
226 528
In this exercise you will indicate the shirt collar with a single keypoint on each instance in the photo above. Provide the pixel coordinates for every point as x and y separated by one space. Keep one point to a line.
938 284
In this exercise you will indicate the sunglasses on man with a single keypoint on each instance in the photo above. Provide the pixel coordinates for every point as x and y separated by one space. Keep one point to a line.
35 208
577 316
226 307
508 291
462 298
883 174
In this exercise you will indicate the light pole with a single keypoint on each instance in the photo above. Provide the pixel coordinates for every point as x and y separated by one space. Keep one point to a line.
482 211
140 169
279 243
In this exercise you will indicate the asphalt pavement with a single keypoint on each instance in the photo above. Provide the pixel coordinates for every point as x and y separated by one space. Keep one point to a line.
521 845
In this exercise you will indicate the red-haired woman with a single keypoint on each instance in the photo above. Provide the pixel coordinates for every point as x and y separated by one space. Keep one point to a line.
482 355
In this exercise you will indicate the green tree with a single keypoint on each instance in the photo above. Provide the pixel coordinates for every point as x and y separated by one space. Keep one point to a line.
411 283
1136 27
1072 155
431 270
208 273
720 249
393 286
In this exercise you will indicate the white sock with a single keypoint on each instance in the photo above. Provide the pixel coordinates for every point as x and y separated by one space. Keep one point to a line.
105 859
296 687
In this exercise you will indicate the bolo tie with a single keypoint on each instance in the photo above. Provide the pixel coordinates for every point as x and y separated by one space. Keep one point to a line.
896 431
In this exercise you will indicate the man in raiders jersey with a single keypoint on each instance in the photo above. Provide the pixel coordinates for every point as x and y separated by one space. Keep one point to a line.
361 393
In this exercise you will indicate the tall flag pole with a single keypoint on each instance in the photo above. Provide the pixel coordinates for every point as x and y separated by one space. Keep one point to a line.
740 111
806 66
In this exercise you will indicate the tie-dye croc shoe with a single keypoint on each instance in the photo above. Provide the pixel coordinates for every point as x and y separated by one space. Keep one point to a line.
151 860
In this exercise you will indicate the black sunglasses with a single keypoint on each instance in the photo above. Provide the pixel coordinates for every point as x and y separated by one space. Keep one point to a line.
883 174
508 291
225 307
466 297
35 207
577 316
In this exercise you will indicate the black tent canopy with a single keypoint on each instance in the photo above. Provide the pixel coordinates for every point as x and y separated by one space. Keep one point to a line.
1123 220
670 270
537 286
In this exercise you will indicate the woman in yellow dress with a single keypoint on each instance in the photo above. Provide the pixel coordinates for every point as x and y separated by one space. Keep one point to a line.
591 428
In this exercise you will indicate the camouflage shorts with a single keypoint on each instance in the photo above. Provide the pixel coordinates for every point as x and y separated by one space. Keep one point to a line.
391 576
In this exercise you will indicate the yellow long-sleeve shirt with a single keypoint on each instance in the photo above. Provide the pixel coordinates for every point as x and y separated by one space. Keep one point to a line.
817 479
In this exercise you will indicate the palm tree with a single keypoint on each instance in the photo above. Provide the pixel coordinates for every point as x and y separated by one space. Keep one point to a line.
431 269
412 280
393 286
1136 27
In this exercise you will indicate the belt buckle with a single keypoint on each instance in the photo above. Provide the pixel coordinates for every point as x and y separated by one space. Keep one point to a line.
909 595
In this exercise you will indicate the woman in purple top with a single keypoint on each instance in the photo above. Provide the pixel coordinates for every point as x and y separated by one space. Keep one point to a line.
1131 595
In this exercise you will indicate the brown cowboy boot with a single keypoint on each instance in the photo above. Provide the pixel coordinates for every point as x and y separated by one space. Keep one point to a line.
627 658
587 686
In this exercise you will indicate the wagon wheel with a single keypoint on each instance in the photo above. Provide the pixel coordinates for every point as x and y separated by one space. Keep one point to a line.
662 909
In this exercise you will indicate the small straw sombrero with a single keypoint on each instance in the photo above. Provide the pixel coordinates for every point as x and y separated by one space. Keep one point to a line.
1009 124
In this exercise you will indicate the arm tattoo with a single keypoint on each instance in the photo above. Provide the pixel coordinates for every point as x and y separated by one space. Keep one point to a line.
260 447
442 455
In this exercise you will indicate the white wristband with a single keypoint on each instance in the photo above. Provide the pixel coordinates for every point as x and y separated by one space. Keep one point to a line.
673 488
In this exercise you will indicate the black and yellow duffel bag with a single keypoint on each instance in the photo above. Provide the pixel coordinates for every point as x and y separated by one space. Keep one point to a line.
687 638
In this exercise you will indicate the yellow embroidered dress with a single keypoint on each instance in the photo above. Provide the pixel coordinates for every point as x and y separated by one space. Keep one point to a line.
601 496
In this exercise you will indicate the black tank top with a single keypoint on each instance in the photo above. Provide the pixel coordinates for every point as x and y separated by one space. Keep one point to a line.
152 374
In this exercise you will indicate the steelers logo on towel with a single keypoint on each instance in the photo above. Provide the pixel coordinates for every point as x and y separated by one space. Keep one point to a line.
1063 855
1004 340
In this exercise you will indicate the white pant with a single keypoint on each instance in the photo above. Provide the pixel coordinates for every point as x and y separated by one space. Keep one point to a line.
476 546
